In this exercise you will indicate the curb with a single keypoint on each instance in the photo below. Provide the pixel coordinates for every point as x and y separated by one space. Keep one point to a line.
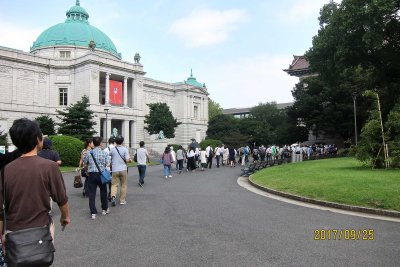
388 213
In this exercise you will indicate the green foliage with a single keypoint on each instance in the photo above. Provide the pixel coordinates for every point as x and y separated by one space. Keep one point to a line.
3 138
77 120
392 127
160 119
266 125
69 149
214 109
212 142
357 48
46 124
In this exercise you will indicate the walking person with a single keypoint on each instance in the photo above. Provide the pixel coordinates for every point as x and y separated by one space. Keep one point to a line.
173 154
34 177
111 144
217 153
119 159
48 153
180 157
103 162
191 160
83 167
232 154
209 152
142 159
203 159
167 162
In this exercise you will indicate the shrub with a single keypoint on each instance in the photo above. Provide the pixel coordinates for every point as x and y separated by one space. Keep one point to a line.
69 149
343 152
212 142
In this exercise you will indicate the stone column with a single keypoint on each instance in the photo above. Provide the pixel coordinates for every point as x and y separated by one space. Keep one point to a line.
14 91
107 89
36 89
125 132
109 130
133 134
125 91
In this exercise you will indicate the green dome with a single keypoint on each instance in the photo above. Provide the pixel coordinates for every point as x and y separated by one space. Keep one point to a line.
75 31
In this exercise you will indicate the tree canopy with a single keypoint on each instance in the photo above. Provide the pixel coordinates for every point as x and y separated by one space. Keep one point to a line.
46 124
160 118
357 48
266 125
77 120
214 109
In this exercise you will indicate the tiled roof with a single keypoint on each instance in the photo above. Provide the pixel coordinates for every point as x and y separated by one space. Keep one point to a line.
299 66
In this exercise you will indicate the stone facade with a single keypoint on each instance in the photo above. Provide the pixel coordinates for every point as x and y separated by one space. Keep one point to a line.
37 83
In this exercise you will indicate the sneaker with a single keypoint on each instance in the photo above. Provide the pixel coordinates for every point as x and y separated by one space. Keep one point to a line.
122 203
93 216
169 176
166 177
105 212
140 184
113 201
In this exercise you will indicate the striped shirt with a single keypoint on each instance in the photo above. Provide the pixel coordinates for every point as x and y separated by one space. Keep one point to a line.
101 157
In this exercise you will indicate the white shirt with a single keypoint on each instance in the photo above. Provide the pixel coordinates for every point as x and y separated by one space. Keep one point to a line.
141 156
208 151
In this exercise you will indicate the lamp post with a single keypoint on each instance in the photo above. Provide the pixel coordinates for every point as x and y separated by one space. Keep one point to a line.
106 111
354 95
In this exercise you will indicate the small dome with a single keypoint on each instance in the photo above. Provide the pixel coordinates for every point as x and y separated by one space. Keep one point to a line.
78 10
75 31
192 80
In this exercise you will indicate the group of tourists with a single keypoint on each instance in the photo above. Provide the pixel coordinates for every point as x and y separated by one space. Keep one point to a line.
115 157
197 158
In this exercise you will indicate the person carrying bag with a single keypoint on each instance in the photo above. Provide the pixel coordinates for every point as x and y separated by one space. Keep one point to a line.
25 221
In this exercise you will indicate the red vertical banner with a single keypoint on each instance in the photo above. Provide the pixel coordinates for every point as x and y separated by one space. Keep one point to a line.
115 92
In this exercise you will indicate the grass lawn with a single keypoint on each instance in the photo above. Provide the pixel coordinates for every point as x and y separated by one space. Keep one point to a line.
341 180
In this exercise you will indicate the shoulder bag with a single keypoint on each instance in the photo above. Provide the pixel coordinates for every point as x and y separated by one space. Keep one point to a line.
27 247
78 181
122 159
105 174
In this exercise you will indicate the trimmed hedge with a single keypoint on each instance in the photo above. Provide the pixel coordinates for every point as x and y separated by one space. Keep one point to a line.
69 148
212 142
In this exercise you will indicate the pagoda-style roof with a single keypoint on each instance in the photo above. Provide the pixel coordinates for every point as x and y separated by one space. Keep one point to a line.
299 67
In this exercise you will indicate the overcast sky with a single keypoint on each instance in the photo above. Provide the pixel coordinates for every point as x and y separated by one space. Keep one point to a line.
237 48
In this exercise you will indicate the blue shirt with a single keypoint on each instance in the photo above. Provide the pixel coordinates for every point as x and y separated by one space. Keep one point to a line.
117 161
101 159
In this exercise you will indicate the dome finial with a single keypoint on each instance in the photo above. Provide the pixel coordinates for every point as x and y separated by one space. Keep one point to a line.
77 3
191 73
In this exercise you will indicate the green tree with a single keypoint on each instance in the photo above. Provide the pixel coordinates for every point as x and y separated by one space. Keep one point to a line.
357 48
267 120
77 120
214 109
160 118
46 124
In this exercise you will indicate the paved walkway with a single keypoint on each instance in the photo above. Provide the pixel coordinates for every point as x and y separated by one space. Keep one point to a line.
207 219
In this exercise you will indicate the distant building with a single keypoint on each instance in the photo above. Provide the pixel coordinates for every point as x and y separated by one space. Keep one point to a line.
72 59
245 112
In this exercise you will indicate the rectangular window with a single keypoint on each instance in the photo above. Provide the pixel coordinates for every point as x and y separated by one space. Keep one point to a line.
63 96
65 54
196 112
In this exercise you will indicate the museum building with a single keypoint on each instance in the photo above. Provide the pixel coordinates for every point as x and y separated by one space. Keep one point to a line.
73 59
